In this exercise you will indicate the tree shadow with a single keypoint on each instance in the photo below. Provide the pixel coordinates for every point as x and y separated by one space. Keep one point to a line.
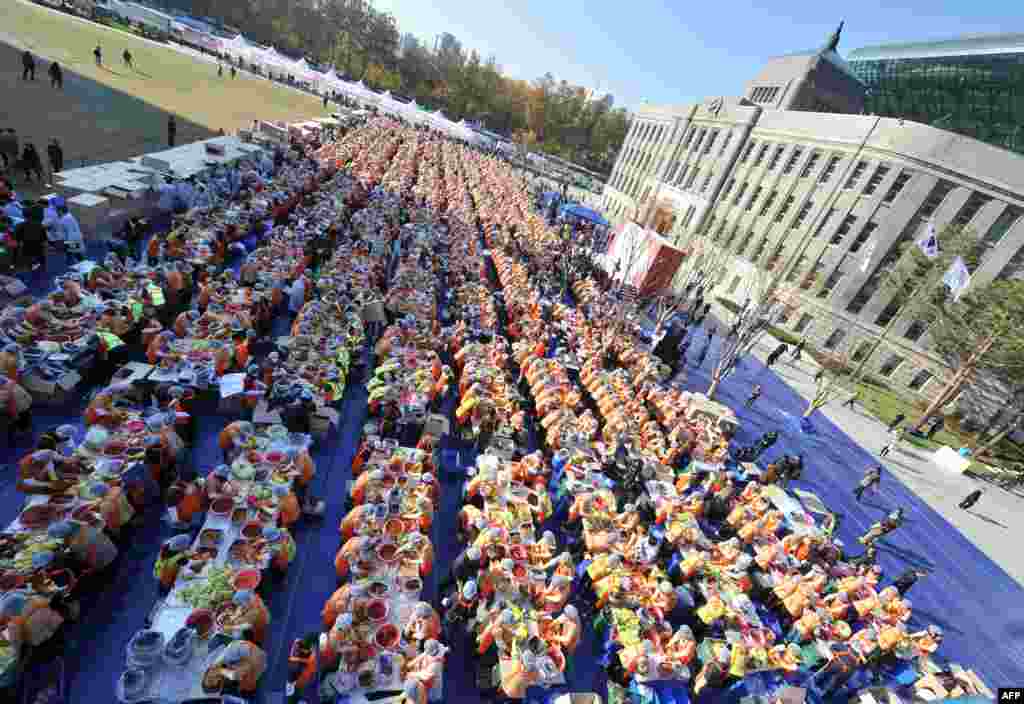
987 519
906 555
112 71
140 72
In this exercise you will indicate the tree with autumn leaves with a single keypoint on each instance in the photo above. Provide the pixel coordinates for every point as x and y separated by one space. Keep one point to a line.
363 43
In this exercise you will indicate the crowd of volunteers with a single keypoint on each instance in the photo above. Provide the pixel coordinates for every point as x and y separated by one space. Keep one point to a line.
598 492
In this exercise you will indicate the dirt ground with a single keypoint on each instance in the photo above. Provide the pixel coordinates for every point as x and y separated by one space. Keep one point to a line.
114 112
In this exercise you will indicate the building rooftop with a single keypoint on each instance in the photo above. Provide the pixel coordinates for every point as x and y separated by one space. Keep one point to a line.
829 52
969 45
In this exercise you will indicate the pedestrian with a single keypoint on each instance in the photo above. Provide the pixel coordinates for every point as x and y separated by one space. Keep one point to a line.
31 236
755 394
818 375
872 478
28 66
98 54
896 422
56 156
56 76
971 499
70 234
31 162
172 131
127 58
9 147
886 449
775 354
325 101
799 349
220 70
905 581
852 400
234 72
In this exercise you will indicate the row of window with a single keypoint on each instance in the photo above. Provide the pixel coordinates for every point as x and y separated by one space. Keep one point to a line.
766 94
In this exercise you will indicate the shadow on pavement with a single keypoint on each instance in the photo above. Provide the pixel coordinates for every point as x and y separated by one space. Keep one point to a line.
987 519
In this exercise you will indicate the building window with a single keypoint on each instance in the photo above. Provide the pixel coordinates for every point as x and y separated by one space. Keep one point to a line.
1002 225
824 223
725 143
830 169
897 187
711 142
746 151
920 380
891 365
864 236
768 203
934 200
689 137
811 163
801 216
717 237
844 229
682 174
753 199
876 180
786 205
835 338
707 181
915 331
858 171
700 140
709 225
890 312
974 203
759 250
776 157
689 181
830 284
804 322
760 154
728 187
861 352
689 216
734 285
739 193
793 159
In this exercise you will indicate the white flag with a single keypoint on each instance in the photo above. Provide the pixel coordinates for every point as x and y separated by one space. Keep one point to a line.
929 243
957 278
865 265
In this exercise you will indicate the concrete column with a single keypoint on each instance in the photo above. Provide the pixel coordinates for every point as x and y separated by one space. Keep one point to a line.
946 212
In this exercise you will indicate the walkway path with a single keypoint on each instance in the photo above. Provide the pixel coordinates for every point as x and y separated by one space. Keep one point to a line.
991 525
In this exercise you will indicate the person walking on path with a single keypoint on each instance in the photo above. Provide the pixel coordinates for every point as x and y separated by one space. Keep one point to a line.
31 162
28 66
70 234
971 499
896 422
220 70
883 527
56 76
98 54
775 354
56 155
127 58
799 349
755 393
852 400
905 581
234 72
172 131
871 480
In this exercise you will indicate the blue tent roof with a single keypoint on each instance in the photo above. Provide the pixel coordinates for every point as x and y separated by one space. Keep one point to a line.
584 213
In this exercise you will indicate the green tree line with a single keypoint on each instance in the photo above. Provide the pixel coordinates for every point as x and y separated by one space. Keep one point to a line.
362 43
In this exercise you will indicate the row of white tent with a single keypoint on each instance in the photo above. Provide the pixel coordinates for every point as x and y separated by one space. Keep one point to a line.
271 61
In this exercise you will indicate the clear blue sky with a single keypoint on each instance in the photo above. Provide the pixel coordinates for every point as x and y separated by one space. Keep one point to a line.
661 52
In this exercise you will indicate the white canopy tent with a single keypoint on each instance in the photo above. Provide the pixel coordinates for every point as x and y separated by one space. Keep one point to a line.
389 105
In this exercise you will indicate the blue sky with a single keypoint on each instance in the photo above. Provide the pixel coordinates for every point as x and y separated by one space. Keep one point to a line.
660 52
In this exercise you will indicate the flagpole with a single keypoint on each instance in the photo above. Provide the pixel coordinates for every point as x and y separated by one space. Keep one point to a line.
856 376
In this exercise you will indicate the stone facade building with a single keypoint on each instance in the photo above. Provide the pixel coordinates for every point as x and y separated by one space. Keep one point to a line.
791 179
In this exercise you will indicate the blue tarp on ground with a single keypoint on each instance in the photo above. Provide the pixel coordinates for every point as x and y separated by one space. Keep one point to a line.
584 213
979 606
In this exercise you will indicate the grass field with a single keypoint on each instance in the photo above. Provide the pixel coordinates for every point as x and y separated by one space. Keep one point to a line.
113 112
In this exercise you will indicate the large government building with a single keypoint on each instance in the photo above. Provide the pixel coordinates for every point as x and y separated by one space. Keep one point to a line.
794 178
